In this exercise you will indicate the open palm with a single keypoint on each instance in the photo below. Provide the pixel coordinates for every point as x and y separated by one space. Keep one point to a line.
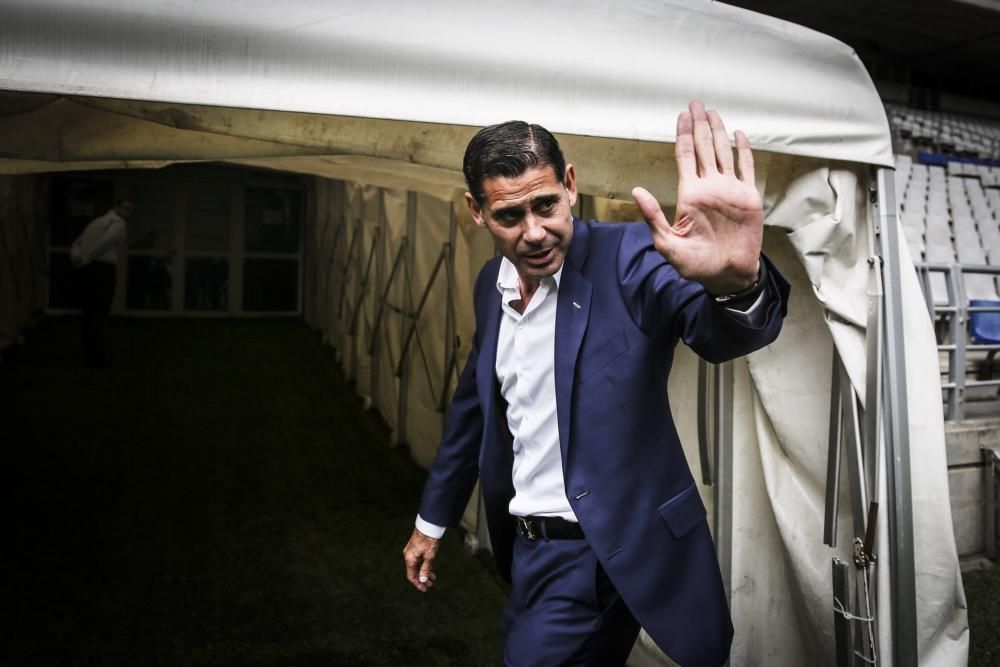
716 237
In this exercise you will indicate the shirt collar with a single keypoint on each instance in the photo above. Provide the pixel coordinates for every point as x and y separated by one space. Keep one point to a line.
507 276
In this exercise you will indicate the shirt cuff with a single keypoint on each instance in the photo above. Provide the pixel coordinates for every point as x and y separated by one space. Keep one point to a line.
755 314
430 529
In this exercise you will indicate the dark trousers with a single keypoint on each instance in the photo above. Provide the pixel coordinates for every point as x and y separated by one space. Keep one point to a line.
563 609
97 289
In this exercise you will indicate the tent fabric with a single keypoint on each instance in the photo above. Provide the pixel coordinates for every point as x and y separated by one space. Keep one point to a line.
377 103
48 133
603 70
781 591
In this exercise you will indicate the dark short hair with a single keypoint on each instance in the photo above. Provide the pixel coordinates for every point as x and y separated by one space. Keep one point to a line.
121 201
508 150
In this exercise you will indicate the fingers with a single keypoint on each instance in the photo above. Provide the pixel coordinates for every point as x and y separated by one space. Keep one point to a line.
723 151
418 554
650 209
745 156
704 147
426 575
419 572
684 148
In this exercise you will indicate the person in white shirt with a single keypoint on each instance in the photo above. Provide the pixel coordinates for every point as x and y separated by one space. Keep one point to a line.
562 410
95 254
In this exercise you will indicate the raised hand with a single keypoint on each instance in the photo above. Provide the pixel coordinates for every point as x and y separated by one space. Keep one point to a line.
716 237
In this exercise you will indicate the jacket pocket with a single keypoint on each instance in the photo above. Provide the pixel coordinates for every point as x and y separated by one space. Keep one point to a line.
602 356
683 512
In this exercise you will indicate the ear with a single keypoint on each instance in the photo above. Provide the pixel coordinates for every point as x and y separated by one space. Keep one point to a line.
475 209
569 182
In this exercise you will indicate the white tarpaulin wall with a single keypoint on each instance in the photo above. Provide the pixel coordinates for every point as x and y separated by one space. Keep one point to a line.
781 600
378 102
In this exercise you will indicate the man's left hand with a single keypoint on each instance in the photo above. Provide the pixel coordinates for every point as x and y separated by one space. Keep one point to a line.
716 237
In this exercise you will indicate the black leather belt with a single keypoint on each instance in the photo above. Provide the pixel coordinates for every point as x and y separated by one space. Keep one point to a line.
548 528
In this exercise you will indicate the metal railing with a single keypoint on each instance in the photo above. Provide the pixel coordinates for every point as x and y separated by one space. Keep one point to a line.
991 471
954 314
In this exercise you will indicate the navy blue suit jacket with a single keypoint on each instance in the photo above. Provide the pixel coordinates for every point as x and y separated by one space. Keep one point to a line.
621 310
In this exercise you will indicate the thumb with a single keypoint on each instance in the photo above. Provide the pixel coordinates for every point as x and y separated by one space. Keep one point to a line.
425 570
650 209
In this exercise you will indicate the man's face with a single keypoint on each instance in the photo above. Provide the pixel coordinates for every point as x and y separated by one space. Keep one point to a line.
530 218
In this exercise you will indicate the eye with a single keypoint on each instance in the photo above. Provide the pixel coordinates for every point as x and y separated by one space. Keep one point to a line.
507 217
546 206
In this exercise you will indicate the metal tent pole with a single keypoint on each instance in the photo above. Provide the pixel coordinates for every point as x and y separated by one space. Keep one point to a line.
723 481
402 409
380 298
902 581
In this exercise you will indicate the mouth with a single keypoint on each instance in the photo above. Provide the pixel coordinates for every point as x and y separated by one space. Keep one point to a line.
540 258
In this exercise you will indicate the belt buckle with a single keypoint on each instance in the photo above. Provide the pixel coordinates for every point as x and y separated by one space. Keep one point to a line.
526 529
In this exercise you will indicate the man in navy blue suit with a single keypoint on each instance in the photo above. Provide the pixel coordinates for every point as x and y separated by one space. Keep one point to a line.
562 410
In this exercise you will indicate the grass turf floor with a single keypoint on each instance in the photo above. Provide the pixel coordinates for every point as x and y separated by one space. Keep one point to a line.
217 497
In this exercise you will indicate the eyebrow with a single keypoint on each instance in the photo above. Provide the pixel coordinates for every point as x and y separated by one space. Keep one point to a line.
543 199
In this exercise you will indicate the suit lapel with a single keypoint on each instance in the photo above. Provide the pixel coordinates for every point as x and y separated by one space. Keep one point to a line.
496 457
572 315
487 362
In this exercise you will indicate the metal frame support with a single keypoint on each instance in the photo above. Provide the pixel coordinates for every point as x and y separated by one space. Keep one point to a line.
902 576
451 342
843 630
846 418
833 458
873 370
364 277
408 253
379 246
991 465
704 421
723 484
332 256
715 448
956 332
348 265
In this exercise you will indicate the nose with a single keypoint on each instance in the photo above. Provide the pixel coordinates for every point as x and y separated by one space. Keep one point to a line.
534 232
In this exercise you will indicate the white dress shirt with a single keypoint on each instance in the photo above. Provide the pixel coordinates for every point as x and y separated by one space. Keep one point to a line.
101 239
525 369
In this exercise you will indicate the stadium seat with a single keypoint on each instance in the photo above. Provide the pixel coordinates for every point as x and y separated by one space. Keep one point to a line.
977 285
964 224
984 329
938 231
914 239
939 288
990 234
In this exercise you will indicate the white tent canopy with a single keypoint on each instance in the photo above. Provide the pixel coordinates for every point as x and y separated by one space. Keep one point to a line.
377 101
582 68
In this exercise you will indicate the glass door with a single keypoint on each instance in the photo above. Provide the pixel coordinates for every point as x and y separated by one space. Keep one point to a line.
208 219
272 250
150 271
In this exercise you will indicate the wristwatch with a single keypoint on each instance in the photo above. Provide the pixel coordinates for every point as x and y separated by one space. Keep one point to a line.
745 298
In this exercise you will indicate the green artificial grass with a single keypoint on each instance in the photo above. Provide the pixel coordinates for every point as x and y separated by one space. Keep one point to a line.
217 497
